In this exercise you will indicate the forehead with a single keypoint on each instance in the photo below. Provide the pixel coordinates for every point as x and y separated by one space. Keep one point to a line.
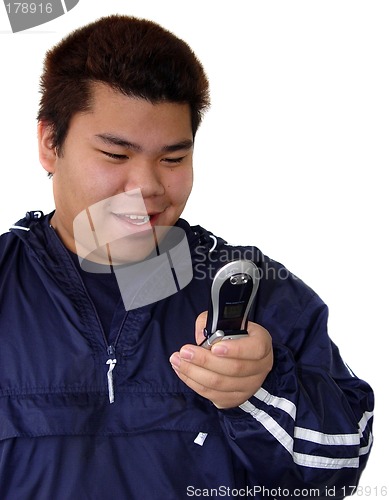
106 100
135 119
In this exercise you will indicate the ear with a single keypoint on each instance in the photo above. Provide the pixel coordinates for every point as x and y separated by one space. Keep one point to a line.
47 151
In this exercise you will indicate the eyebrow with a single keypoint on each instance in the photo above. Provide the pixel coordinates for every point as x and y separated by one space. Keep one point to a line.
113 140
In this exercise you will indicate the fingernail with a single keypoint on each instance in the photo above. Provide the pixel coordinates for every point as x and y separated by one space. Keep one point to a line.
175 360
219 349
187 353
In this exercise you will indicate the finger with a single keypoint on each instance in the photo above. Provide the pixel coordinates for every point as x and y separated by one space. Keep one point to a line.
255 346
221 399
223 392
201 321
204 381
222 365
239 358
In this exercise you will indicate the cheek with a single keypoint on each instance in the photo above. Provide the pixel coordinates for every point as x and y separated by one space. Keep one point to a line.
76 189
179 187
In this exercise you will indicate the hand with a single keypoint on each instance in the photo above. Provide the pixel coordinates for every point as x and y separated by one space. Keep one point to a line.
231 372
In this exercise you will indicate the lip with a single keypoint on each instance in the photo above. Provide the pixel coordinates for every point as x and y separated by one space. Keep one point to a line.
124 218
133 219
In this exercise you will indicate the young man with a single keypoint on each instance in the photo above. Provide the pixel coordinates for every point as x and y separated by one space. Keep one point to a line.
90 406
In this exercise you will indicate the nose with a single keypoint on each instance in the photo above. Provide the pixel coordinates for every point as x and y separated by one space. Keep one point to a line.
144 175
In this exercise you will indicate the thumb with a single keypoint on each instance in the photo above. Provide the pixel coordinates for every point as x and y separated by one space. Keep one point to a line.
199 327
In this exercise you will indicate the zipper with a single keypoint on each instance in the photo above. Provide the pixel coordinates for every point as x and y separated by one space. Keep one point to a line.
111 349
111 361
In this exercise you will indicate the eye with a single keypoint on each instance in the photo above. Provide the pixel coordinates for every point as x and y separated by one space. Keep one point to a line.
173 161
115 156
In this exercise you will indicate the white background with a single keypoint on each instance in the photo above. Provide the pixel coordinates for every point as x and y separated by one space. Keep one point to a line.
290 158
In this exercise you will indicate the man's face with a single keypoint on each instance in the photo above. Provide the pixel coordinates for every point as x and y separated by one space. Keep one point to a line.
127 166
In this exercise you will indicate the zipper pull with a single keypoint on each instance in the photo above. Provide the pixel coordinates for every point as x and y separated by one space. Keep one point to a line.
112 363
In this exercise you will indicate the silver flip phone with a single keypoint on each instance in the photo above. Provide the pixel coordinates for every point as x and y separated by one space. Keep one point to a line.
232 293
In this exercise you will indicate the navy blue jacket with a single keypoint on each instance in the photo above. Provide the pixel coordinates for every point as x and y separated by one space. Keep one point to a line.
307 429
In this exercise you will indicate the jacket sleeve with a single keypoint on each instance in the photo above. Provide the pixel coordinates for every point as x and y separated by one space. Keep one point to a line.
309 426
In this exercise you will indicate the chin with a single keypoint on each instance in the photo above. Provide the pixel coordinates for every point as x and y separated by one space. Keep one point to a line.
131 249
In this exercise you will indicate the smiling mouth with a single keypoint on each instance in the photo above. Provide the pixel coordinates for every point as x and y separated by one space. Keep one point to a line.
136 220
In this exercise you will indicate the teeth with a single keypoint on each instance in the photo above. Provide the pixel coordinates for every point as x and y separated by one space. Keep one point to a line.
138 219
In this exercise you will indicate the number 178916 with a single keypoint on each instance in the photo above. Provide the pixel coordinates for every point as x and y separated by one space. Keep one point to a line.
29 8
